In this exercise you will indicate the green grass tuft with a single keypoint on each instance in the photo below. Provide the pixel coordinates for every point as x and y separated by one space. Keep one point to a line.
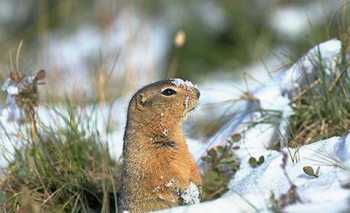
322 110
66 169
220 165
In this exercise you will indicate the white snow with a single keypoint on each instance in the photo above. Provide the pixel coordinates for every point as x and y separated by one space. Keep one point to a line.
270 177
99 118
302 72
183 83
251 188
233 203
191 195
12 90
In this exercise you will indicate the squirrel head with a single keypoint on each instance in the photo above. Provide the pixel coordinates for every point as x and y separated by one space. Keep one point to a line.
166 103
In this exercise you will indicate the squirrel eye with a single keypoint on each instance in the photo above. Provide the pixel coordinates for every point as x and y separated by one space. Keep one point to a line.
168 92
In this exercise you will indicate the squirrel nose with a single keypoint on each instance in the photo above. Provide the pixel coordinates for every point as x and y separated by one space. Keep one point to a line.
198 94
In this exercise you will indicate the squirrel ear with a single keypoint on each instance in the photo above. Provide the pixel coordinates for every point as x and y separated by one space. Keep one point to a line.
140 101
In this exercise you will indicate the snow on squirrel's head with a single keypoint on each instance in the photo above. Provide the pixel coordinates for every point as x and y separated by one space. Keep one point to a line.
168 101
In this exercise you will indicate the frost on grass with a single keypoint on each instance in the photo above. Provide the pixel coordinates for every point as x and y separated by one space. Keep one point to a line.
71 161
22 94
191 195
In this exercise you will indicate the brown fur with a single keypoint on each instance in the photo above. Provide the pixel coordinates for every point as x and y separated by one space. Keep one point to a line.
156 161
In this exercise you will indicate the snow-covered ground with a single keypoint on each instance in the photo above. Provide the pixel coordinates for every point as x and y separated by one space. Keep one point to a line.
251 188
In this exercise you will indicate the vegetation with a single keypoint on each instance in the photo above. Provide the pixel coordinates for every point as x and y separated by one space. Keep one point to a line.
68 168
220 165
322 109
64 169
221 35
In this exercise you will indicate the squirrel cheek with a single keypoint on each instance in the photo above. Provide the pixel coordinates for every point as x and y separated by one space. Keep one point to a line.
187 102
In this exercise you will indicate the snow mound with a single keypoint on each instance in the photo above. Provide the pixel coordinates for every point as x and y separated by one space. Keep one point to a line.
331 156
251 189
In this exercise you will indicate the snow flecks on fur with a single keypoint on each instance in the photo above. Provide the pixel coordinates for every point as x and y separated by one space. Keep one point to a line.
187 99
156 189
191 195
170 183
165 132
183 84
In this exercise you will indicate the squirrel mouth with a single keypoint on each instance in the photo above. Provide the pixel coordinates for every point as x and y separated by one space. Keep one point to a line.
189 110
190 104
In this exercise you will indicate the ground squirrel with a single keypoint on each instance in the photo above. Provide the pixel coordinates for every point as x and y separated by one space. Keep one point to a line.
158 170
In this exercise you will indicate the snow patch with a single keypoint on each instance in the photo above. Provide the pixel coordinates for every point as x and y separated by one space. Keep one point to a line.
251 188
191 195
183 84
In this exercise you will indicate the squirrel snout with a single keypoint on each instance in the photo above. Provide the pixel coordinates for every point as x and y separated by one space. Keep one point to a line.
196 91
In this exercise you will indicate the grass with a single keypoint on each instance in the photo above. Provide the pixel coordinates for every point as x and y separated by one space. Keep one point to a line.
322 109
65 169
68 168
220 165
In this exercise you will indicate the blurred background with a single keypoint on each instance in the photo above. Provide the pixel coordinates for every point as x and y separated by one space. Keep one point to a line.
102 49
